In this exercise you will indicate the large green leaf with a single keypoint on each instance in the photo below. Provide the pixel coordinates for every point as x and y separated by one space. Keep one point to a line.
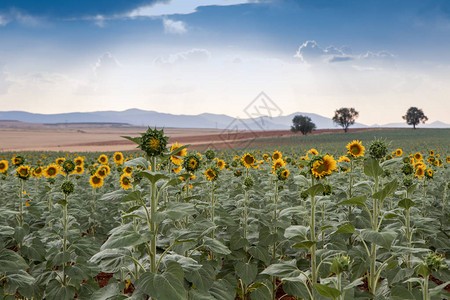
169 285
246 271
347 228
10 261
315 189
359 200
406 203
287 269
327 291
125 236
110 260
372 168
386 191
296 231
216 246
153 177
383 239
138 161
223 290
296 288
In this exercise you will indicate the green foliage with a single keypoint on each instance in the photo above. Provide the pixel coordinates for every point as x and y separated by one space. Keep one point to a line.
345 117
303 124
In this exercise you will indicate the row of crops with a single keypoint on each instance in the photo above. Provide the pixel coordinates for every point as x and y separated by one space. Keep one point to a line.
168 223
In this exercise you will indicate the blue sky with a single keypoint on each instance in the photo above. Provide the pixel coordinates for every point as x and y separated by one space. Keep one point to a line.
186 56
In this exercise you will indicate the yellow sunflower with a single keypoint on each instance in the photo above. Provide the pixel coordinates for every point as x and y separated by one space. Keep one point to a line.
78 170
324 166
103 171
276 155
279 163
355 148
418 156
128 170
51 171
220 164
176 157
125 182
37 172
23 172
398 152
17 160
3 166
431 152
248 160
284 174
431 159
448 159
265 157
313 151
420 172
96 181
211 174
344 158
118 158
429 174
177 169
60 160
79 161
419 164
103 159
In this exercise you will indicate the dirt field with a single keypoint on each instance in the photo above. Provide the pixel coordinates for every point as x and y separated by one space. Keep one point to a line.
19 136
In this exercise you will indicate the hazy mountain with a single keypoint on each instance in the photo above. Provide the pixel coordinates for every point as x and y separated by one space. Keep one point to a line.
435 124
205 120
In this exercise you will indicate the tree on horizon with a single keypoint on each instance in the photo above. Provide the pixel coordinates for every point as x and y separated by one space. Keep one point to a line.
345 117
414 116
303 124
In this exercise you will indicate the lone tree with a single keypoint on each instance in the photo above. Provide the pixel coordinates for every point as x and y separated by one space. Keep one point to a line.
345 117
302 124
414 116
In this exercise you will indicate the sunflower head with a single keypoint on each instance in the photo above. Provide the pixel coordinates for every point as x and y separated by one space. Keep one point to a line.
313 151
67 187
153 142
23 172
355 149
276 155
18 160
282 173
103 171
321 166
418 156
3 166
191 162
429 174
118 158
125 182
103 159
248 183
248 160
210 154
177 156
407 169
51 171
96 181
448 159
221 164
177 169
420 172
37 172
398 152
128 170
431 152
60 160
79 161
277 164
78 170
68 166
211 173
378 149
344 158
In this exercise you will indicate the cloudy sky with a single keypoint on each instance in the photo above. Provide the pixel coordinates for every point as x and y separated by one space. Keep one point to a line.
195 56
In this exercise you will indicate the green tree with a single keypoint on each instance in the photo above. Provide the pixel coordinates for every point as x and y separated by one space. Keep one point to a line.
345 117
302 124
414 116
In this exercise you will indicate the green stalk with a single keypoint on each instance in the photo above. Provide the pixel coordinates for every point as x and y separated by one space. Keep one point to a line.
312 226
212 206
339 286
21 203
153 204
426 296
373 252
275 229
65 223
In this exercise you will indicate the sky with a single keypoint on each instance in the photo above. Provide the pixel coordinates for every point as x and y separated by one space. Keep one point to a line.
216 56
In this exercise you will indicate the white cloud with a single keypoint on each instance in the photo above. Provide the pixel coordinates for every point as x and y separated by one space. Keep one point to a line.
106 64
192 56
179 7
3 20
174 27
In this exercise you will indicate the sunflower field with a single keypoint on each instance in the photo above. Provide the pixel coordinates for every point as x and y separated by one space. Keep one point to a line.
169 223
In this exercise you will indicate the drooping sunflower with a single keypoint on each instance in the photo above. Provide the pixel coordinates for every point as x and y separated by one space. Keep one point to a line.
431 159
220 164
211 174
18 160
398 152
37 172
355 148
128 170
420 172
96 181
429 174
3 166
23 172
277 164
313 151
418 156
51 171
448 159
283 174
177 157
344 158
191 162
248 160
79 161
60 160
177 169
323 166
125 182
118 158
276 155
103 159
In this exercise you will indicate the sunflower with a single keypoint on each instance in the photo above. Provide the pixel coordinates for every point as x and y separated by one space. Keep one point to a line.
128 170
153 142
429 174
437 163
398 152
448 159
103 171
220 164
265 157
211 174
79 161
279 163
418 156
191 162
23 172
78 170
313 151
276 155
3 166
431 159
283 174
419 164
96 181
18 160
344 158
51 171
420 172
68 166
355 148
103 159
37 172
60 160
177 169
323 166
125 182
118 158
304 157
248 160
431 152
176 157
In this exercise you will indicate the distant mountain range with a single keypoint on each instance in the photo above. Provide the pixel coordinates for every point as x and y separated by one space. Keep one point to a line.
206 120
